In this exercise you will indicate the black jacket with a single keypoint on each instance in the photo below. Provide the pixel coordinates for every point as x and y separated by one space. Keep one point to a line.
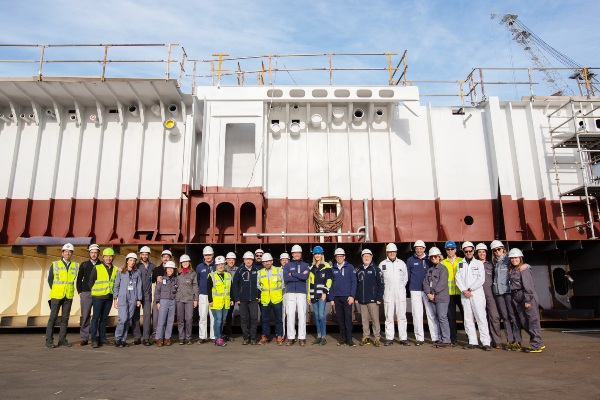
370 286
83 276
243 287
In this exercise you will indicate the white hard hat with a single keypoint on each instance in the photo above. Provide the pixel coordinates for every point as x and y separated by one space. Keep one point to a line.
261 251
167 252
68 246
366 251
391 247
434 251
249 255
207 250
220 260
170 264
467 244
296 249
93 247
231 255
184 257
496 244
145 249
419 243
339 251
515 253
284 255
267 257
481 246
131 255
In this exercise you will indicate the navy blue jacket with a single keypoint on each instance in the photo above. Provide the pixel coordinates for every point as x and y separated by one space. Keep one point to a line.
297 282
369 283
202 271
244 285
344 281
417 269
258 265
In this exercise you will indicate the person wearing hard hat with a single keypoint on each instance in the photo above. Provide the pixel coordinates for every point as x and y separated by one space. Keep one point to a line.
503 296
295 275
245 294
470 277
525 300
258 254
284 258
343 290
369 296
85 293
157 274
219 298
395 278
270 284
145 268
493 318
228 327
417 266
435 286
451 263
319 284
186 298
61 278
102 280
164 297
203 270
127 297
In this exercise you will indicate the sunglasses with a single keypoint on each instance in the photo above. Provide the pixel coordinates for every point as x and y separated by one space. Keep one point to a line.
467 251
450 248
499 249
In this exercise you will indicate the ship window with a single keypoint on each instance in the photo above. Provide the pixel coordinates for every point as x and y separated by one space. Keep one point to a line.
71 111
364 93
341 93
275 93
297 93
469 220
112 111
598 123
560 283
319 93
386 93
239 154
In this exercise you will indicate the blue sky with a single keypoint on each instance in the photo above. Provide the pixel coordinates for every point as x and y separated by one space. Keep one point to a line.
444 39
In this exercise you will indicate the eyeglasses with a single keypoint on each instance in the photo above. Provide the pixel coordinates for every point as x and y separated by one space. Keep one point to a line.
451 248
499 249
467 251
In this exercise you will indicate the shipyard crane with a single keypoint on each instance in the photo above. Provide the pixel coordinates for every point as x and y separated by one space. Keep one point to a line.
535 48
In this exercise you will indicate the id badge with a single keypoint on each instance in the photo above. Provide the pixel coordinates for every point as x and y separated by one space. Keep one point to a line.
164 281
130 287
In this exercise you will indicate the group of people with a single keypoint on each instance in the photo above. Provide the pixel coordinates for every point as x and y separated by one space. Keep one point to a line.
486 293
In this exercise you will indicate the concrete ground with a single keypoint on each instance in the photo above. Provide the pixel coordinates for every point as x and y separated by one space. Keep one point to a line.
568 368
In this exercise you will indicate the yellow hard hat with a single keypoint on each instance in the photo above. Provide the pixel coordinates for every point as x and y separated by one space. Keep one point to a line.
108 252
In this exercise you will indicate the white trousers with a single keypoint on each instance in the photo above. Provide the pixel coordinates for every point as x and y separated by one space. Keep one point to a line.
395 305
417 299
475 311
432 321
283 314
296 302
203 314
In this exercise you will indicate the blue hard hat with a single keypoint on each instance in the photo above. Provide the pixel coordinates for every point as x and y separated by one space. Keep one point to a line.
450 243
317 250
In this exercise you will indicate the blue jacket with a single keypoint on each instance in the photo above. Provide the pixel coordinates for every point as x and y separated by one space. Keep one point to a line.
297 282
344 281
417 269
202 271
369 283
122 284
244 285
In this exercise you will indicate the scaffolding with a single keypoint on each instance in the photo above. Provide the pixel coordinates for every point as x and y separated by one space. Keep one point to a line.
578 129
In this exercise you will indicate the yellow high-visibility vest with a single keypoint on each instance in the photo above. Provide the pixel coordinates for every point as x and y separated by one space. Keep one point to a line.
221 291
271 289
452 289
63 284
104 285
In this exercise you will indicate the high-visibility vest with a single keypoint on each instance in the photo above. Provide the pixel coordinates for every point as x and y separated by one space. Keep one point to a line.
221 291
104 285
63 284
452 289
271 289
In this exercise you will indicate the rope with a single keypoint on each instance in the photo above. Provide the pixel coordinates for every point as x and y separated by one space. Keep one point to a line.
327 225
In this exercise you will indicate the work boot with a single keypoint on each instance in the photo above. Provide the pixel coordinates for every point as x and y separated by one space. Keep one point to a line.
388 342
64 342
279 340
50 344
124 344
168 342
323 342
252 341
404 343
82 343
531 350
147 343
302 342
516 346
246 341
351 343
152 340
117 343
188 341
290 342
507 346
316 341
487 348
159 343
470 347
220 342
96 344
365 341
453 344
137 342
106 341
377 343
341 343
182 342
263 340
419 343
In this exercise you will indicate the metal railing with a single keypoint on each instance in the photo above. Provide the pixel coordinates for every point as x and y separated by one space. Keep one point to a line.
105 60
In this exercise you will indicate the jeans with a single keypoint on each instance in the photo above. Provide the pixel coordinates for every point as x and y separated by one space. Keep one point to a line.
219 317
265 311
55 304
319 310
101 309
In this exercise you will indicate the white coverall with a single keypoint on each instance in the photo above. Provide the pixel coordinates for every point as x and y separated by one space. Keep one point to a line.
471 276
203 314
395 277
